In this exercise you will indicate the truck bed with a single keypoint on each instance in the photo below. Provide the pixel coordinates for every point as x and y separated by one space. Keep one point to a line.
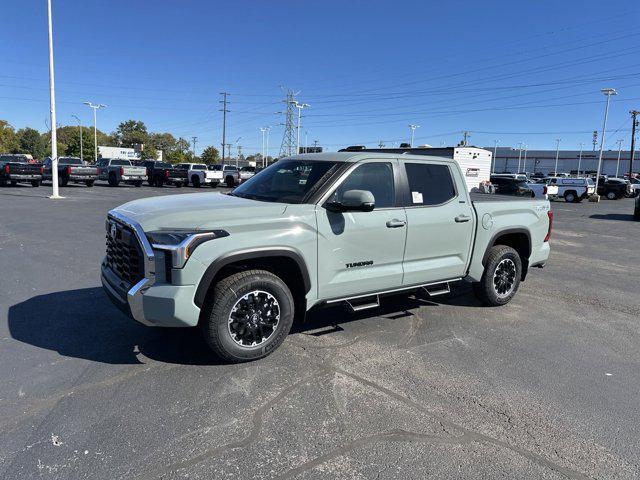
494 197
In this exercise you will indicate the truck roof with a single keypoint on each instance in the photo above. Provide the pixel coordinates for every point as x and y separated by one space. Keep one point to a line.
353 157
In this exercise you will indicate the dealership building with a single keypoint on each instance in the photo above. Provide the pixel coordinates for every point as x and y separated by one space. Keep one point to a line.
512 160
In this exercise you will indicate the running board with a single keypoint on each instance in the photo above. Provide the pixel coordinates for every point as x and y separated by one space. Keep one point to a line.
358 304
438 289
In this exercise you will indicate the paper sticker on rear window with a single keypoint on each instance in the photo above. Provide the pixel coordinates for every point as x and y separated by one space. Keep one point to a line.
416 197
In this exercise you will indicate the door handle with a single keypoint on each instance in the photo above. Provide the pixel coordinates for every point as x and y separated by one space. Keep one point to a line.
395 223
462 218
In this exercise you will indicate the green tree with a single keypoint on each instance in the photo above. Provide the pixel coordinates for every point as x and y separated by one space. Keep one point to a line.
8 140
31 142
130 133
210 155
149 152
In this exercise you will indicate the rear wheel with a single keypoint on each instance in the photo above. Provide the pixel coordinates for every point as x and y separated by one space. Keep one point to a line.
89 183
570 197
14 183
178 184
248 315
36 183
137 183
612 195
501 277
195 181
63 181
113 180
229 181
636 214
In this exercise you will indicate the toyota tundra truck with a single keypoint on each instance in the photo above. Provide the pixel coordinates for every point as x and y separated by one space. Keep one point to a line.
117 171
312 230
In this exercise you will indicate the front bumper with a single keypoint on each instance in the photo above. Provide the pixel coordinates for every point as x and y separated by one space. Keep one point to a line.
148 301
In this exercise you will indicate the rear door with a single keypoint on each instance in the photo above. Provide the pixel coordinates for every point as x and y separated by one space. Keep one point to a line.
361 252
440 223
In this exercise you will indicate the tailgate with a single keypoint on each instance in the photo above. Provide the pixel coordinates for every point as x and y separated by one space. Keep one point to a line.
24 168
135 171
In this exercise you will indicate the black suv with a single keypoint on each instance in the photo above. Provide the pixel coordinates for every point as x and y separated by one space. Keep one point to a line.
613 188
511 186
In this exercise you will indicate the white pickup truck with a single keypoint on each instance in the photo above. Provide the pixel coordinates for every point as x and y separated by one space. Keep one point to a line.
198 175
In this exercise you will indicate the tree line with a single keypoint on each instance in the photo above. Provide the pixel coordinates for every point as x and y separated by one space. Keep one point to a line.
128 134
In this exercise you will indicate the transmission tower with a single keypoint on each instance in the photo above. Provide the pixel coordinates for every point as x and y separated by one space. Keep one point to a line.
289 141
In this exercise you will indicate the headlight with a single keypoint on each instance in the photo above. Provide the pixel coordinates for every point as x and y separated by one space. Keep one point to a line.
181 243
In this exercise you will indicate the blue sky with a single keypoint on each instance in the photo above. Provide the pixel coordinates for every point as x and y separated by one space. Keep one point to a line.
505 70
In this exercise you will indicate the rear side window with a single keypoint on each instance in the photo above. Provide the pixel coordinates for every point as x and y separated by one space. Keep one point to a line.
120 163
429 184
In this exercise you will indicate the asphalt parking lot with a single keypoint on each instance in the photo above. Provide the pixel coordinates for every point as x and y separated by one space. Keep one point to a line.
545 387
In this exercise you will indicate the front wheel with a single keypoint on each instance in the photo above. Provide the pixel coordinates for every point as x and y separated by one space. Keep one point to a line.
501 277
248 315
570 197
195 181
36 183
612 195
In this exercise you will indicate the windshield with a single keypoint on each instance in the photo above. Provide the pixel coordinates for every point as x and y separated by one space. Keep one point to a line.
286 181
69 161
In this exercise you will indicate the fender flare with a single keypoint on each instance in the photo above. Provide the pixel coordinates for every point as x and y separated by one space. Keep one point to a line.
249 254
508 231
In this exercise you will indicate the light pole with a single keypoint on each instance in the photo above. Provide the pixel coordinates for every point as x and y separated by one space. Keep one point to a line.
80 128
263 130
520 156
619 142
524 160
95 108
237 142
52 102
608 92
266 161
413 130
299 106
555 169
580 157
495 152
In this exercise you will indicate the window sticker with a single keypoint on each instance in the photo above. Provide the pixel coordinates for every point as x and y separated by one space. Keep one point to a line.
416 197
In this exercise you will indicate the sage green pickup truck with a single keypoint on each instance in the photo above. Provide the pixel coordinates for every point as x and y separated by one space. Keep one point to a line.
314 230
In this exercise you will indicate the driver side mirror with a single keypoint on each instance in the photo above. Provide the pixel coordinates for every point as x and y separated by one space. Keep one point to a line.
353 201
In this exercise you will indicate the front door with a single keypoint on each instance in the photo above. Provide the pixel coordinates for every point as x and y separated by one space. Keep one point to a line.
361 252
440 224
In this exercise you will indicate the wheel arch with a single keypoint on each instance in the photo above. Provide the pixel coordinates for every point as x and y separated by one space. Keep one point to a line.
517 238
286 262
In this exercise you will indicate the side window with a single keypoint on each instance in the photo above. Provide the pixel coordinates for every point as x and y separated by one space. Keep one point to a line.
374 177
430 184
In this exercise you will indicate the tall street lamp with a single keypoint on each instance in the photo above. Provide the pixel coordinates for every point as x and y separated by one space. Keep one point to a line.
580 157
95 108
413 131
79 128
608 92
555 169
299 106
52 102
495 152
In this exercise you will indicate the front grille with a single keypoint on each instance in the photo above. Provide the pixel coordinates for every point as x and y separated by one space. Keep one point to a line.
124 254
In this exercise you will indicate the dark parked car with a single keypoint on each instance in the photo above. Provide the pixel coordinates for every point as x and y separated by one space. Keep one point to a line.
511 186
16 168
71 170
161 173
636 210
614 188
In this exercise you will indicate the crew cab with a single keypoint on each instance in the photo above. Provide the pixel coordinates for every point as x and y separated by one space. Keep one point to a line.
313 230
198 174
15 168
162 173
614 188
70 170
512 185
117 171
572 189
227 174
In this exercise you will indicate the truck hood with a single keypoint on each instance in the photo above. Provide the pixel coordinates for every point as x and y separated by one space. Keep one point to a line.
198 211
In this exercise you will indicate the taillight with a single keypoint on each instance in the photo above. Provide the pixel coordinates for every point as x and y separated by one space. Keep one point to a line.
69 170
41 170
121 171
166 173
146 172
6 169
550 215
544 190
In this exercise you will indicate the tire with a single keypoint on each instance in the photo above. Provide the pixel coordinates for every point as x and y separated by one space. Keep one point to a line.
152 182
504 265
113 180
36 183
63 181
3 182
137 183
611 195
214 184
636 214
195 181
230 182
235 291
159 183
14 183
570 197
178 184
89 183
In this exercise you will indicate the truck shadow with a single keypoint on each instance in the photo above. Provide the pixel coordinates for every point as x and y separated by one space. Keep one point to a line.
83 324
613 216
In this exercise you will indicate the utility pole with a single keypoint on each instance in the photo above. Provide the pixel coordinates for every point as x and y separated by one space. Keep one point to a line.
299 106
524 161
634 124
594 140
555 170
519 155
95 108
619 142
465 138
495 152
80 128
608 92
224 121
288 139
195 139
239 154
580 157
266 161
413 130
52 104
228 152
